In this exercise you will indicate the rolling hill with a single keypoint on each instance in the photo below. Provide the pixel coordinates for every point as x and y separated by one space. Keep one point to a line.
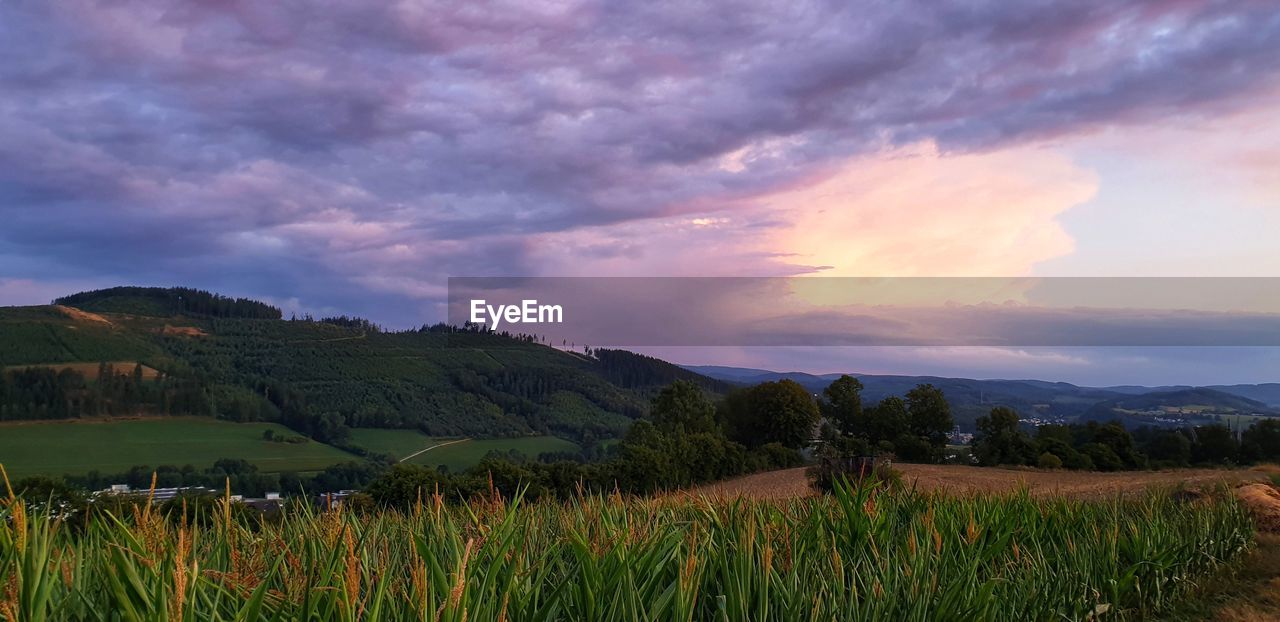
235 359
1181 406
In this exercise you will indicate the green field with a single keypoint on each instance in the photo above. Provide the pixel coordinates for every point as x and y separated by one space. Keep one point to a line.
456 456
77 447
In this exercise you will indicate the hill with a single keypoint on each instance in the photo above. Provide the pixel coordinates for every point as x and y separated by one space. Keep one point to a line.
203 354
1268 393
1037 400
166 302
1179 407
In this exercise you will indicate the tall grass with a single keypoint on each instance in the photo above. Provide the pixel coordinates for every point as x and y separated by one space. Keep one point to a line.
859 554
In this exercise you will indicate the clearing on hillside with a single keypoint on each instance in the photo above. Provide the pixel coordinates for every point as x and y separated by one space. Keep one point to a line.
115 445
82 316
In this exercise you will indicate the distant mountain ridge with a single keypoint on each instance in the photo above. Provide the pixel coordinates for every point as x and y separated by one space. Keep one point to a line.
1034 399
1181 399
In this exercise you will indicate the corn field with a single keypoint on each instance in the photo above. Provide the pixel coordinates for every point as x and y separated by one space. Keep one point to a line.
859 554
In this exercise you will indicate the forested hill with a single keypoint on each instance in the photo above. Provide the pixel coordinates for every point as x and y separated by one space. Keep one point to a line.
168 301
182 351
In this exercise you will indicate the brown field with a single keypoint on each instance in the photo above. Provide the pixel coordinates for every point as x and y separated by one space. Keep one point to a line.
90 370
966 479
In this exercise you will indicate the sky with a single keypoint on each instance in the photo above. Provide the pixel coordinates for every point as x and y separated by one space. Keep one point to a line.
350 156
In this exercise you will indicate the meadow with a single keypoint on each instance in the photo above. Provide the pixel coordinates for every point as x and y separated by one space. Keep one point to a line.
857 555
113 446
457 456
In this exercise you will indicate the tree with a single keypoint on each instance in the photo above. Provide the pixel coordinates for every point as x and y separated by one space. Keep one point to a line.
1169 447
332 429
1051 442
887 420
1000 441
842 405
784 412
1215 444
1103 458
683 408
1118 439
912 448
1262 441
404 484
929 417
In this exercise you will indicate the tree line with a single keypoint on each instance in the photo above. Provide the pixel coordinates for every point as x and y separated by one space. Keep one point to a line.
170 301
914 427
34 393
1001 440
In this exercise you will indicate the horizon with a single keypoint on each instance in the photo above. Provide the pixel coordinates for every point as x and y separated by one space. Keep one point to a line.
349 162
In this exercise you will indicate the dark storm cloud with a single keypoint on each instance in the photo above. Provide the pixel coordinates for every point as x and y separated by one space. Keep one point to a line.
341 150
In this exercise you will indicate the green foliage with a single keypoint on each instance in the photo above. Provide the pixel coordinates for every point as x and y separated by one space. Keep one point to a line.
162 302
683 408
887 420
1049 461
914 429
929 417
999 440
306 373
1261 442
1215 444
1049 443
842 405
1170 448
859 554
771 412
1102 456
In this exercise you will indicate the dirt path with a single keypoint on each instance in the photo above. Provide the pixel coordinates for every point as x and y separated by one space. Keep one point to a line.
966 479
423 451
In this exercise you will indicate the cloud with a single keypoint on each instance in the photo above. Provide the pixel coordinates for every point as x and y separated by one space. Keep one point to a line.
913 212
352 155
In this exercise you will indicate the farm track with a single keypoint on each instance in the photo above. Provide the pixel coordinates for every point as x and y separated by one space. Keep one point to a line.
423 451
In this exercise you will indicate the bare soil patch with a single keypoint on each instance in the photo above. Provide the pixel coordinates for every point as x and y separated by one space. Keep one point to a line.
81 316
1263 502
183 331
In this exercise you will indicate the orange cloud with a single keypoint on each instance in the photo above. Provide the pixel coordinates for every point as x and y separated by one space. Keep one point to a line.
914 211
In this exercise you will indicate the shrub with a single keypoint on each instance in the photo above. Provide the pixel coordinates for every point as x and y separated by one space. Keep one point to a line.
1049 461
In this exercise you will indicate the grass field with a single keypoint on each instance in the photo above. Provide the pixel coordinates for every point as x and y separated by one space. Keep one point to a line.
456 456
77 447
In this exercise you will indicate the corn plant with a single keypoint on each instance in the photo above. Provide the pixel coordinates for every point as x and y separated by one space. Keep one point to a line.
861 553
